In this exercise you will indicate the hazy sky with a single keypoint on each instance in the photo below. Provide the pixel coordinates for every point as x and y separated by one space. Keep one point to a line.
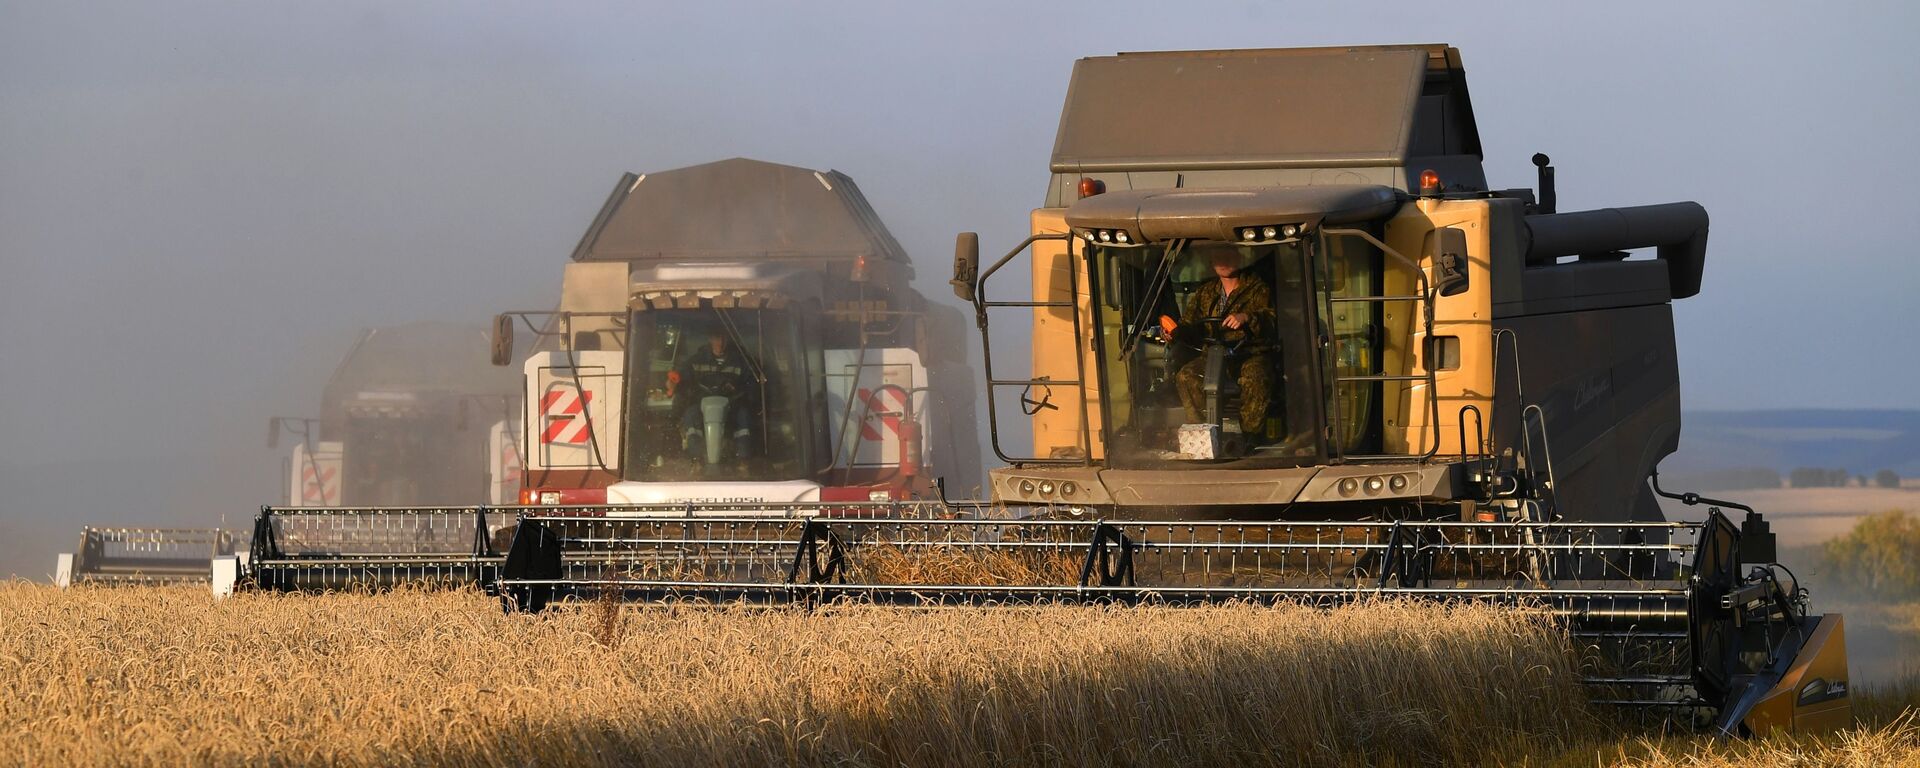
200 202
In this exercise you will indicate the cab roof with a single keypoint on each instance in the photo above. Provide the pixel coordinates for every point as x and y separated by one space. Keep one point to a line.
1371 106
737 210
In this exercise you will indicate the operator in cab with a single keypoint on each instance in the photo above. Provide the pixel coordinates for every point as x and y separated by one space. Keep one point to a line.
1244 305
718 369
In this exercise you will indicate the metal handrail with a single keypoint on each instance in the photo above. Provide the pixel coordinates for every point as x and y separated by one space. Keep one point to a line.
1546 450
1480 431
1431 377
980 306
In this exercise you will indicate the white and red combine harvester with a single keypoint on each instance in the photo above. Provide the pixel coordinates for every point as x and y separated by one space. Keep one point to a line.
732 338
741 332
412 416
390 484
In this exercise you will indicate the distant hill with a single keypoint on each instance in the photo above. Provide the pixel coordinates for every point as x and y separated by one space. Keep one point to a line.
1861 442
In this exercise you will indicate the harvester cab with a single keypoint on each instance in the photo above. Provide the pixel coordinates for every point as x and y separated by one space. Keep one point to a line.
740 332
1332 316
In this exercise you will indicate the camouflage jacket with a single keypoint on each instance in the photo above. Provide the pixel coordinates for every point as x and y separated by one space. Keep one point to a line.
1251 298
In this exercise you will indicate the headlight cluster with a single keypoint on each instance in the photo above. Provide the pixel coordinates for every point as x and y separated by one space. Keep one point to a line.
1108 236
1269 233
1065 489
1351 486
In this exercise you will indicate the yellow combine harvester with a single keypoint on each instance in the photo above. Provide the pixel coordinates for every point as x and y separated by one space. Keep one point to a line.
1275 285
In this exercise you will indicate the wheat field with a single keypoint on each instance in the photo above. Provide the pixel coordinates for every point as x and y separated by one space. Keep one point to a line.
164 676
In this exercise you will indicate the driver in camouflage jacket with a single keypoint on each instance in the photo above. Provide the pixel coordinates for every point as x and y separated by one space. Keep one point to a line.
1245 305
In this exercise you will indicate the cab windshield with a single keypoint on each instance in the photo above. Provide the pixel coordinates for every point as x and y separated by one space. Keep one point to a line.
718 394
1223 342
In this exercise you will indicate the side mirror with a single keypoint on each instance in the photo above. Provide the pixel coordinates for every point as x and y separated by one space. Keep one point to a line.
503 339
966 265
273 433
1446 250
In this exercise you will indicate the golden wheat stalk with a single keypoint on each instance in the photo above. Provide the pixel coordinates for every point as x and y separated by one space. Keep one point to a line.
165 676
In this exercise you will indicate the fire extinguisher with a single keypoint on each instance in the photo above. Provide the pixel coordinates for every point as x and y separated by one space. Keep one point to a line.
909 446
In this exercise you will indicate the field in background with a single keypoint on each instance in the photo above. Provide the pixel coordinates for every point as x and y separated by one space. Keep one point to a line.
1862 442
1806 515
165 676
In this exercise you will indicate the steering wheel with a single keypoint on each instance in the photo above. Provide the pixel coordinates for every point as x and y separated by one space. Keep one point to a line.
1213 331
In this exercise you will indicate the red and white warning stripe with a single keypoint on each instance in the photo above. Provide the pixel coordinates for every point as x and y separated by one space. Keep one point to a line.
886 404
319 484
564 407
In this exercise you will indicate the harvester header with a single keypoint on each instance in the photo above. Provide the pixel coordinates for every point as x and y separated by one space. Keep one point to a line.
144 556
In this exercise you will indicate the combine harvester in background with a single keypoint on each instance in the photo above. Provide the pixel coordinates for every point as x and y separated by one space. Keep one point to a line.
741 332
1278 322
413 415
416 432
736 333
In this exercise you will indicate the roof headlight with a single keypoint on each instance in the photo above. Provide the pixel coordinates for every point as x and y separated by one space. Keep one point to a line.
1269 233
1088 234
1375 485
1067 488
1026 487
1120 235
1397 483
1106 236
1349 487
1249 234
1046 488
1290 230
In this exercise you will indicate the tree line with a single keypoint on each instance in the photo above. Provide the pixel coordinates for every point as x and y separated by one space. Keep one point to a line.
1817 477
1748 478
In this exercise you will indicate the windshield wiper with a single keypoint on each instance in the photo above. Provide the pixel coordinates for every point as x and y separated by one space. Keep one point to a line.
1162 275
739 343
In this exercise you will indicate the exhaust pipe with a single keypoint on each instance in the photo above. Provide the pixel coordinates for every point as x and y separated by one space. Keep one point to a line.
1677 230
